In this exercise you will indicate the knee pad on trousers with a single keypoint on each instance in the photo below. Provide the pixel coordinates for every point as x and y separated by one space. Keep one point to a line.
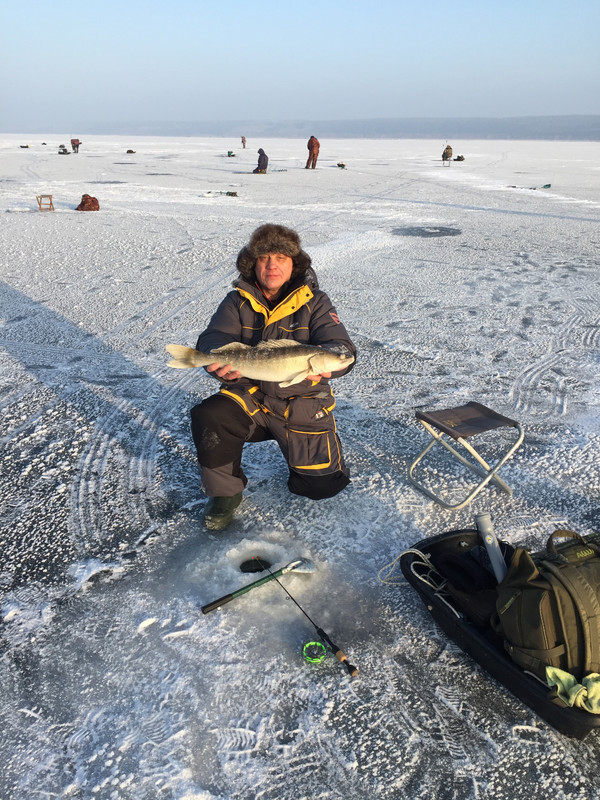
219 429
317 487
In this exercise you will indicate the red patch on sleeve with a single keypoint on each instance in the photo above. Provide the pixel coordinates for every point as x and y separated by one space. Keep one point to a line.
334 317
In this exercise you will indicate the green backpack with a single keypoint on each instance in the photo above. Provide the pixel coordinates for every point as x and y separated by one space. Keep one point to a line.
548 607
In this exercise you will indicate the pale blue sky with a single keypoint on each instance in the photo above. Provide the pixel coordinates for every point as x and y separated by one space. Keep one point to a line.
67 64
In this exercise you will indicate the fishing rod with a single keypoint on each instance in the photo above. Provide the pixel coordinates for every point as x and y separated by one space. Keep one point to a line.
339 654
299 565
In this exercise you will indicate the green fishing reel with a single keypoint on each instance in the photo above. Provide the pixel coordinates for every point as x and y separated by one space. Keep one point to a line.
314 652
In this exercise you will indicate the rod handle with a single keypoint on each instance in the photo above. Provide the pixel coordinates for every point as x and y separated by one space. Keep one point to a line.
339 654
343 658
217 603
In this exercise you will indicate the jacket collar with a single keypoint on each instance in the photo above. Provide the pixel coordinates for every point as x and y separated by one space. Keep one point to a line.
296 296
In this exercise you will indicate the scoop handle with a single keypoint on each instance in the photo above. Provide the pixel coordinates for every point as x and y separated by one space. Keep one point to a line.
486 531
217 603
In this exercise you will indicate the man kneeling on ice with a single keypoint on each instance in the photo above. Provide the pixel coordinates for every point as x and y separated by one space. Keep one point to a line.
276 298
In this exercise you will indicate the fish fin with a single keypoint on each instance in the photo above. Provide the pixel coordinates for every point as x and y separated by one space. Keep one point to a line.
231 346
273 344
183 356
296 379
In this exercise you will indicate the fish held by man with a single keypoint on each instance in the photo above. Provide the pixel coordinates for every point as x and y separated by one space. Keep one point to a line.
282 361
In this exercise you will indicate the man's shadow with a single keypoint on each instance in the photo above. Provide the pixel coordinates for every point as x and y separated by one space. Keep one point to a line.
96 449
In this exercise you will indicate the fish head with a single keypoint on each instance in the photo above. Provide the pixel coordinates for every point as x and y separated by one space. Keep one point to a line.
330 361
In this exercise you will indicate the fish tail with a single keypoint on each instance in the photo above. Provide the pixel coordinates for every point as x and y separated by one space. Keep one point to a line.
185 357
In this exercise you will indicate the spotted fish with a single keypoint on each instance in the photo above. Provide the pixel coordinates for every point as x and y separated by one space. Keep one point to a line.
282 361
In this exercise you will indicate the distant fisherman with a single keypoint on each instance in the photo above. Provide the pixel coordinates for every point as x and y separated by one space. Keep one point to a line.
276 298
313 146
263 162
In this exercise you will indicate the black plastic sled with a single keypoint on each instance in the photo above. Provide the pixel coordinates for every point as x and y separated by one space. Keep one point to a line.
480 641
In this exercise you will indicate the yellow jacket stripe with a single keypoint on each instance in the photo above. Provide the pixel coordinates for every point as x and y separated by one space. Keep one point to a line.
240 400
287 307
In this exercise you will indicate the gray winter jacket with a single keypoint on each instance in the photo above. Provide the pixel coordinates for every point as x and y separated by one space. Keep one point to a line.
304 313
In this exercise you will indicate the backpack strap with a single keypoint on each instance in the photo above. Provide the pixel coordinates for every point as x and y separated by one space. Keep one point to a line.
586 603
534 660
565 534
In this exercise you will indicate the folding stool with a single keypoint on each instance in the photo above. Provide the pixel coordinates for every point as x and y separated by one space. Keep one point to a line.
460 424
44 202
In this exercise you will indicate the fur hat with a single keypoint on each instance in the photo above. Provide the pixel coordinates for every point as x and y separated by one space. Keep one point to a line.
272 238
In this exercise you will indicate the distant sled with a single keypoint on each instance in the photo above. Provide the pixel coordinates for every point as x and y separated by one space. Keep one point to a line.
533 188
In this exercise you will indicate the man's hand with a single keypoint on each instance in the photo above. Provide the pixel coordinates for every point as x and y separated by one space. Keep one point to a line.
317 378
224 371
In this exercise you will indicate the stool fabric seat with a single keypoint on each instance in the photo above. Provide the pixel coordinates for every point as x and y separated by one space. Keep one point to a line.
461 423
465 421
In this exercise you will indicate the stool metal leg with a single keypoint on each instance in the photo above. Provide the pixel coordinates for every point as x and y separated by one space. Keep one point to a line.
488 473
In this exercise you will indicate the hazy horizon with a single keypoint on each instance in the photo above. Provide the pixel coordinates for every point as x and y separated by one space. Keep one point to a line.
90 67
554 128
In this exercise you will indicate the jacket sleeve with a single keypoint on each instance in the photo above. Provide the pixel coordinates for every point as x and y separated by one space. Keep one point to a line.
328 332
224 327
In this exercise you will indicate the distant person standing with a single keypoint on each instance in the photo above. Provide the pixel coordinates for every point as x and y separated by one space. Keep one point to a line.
263 163
244 142
75 145
313 152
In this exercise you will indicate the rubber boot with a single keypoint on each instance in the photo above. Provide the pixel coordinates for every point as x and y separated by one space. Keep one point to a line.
219 511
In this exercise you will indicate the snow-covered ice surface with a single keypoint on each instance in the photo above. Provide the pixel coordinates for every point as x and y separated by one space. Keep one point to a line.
457 283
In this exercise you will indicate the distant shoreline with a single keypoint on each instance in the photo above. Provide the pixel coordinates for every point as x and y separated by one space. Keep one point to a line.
541 128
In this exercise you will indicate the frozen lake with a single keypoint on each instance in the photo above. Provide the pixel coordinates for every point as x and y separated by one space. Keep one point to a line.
457 283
